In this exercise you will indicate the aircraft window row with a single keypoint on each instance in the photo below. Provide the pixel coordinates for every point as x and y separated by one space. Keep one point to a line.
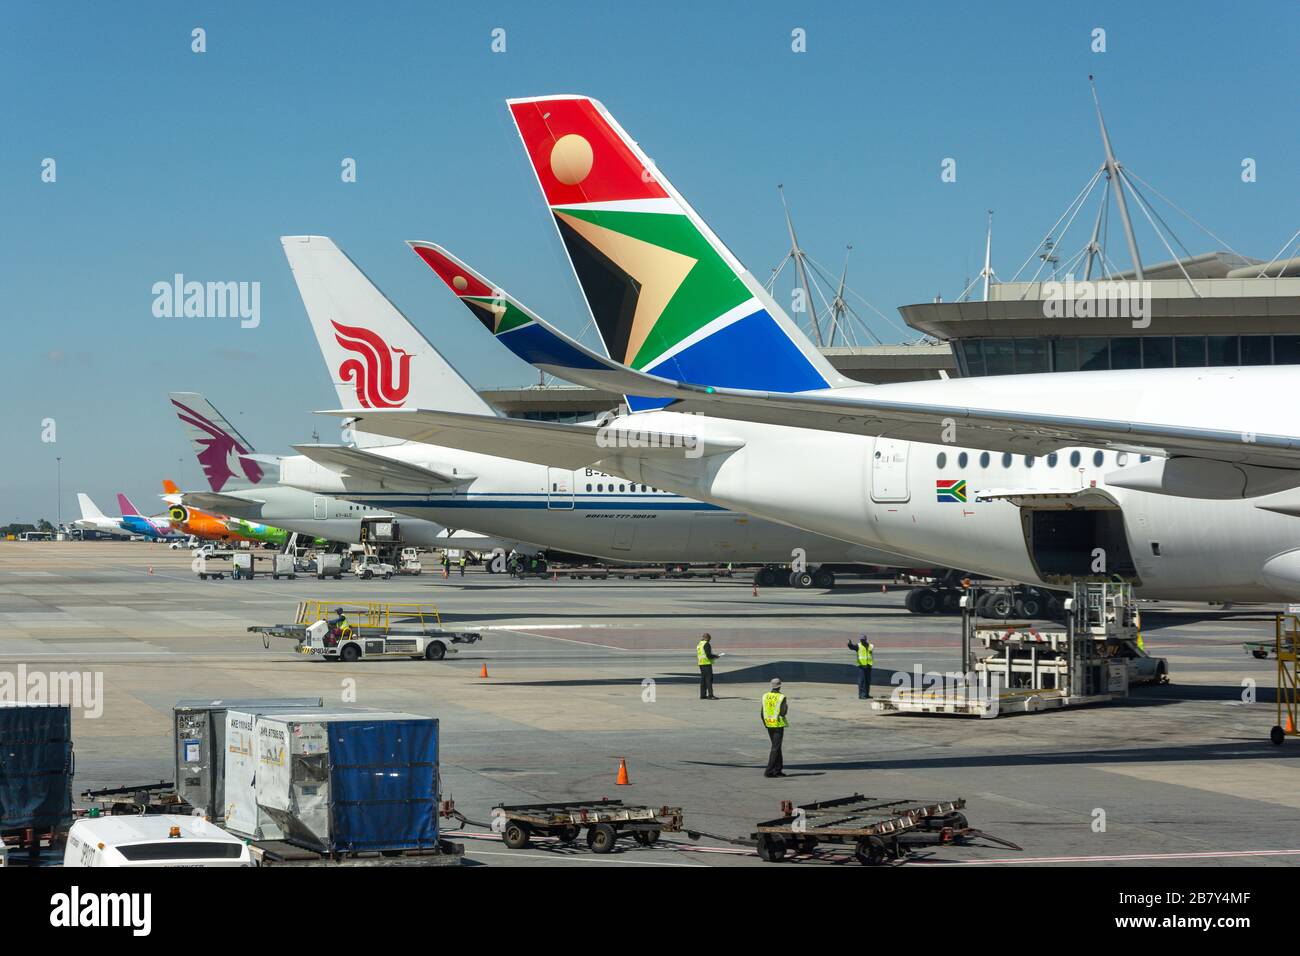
634 489
1014 356
1052 459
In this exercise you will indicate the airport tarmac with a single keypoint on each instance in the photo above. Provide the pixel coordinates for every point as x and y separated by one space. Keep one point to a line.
584 673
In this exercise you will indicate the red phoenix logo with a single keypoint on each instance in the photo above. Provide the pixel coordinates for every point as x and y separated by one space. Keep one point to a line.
373 374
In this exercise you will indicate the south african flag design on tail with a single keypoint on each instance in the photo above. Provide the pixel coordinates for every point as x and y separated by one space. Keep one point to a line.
667 296
950 489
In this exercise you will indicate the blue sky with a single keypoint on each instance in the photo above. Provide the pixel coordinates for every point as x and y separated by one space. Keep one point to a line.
170 161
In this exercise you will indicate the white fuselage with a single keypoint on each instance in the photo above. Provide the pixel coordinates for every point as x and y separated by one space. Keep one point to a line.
832 482
110 526
584 512
322 516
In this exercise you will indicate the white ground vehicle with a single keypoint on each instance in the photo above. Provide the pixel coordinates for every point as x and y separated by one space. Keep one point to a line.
410 561
1142 667
371 567
372 630
163 839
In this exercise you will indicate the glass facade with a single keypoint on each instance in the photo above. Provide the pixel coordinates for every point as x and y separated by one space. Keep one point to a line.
1017 356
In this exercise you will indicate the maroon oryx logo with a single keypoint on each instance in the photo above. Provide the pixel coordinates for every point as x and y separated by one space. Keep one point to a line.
221 453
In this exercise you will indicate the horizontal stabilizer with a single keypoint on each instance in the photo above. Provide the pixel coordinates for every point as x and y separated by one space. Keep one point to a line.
215 501
543 443
386 473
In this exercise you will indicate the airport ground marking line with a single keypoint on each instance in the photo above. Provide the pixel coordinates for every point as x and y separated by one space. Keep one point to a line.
548 637
1120 858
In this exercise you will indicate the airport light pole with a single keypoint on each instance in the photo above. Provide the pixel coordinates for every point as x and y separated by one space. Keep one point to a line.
58 507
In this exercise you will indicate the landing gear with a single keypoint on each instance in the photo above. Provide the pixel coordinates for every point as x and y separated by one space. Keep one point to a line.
923 601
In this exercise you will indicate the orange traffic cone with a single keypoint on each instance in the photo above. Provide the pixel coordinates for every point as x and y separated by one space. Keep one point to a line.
622 780
755 589
483 672
1290 727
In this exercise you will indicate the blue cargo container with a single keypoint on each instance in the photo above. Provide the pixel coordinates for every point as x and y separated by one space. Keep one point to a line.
349 783
35 766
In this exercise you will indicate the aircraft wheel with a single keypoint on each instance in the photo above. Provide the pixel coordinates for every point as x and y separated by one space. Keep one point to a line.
927 601
1029 605
824 579
801 579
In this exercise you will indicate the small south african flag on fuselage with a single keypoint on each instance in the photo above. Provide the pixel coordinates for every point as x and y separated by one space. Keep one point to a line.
954 489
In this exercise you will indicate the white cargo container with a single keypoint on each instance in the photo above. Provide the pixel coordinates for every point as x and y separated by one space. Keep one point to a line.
242 757
200 732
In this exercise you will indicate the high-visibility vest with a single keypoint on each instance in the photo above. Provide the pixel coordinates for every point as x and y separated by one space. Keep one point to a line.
702 655
865 657
772 702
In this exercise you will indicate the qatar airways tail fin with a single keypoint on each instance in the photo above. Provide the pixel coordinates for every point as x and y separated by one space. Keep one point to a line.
226 457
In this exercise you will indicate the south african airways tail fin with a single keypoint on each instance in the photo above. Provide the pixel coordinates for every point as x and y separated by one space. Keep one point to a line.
668 298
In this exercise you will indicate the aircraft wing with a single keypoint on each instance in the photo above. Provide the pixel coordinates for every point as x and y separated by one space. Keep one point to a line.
387 473
543 443
1017 430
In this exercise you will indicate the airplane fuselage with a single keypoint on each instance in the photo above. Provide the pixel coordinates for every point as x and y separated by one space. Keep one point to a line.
322 516
904 496
584 511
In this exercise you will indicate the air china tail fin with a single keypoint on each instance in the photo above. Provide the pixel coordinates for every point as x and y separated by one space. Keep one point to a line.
668 297
89 510
224 454
124 503
375 356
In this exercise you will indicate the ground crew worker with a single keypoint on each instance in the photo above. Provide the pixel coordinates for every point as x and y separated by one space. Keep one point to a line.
341 623
774 720
1137 623
705 657
446 565
866 657
462 565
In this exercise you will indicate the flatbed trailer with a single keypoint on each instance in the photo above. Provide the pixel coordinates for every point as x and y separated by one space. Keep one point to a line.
879 830
605 821
1266 649
282 853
